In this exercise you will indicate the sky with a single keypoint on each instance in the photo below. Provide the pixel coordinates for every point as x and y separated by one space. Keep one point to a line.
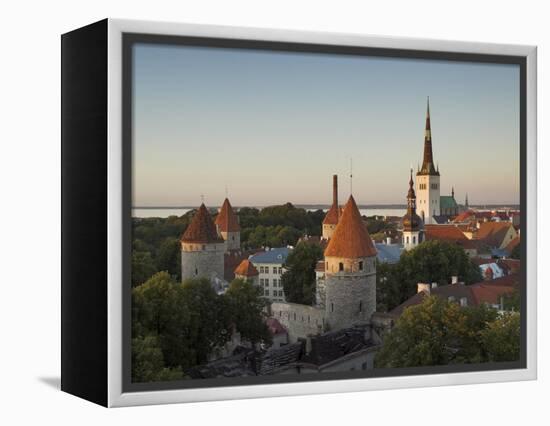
270 127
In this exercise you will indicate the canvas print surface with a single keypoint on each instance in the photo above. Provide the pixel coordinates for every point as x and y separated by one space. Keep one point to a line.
306 215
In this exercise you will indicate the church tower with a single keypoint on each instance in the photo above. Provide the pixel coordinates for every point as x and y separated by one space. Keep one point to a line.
227 225
331 219
413 228
350 272
202 250
427 179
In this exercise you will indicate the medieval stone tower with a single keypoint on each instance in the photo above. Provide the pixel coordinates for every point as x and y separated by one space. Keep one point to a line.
413 228
350 271
331 219
227 224
427 179
202 250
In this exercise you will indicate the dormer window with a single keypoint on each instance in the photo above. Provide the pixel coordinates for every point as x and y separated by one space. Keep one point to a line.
340 267
361 265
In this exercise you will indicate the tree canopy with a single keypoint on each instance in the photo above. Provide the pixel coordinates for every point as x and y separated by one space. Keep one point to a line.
299 278
431 261
439 332
178 325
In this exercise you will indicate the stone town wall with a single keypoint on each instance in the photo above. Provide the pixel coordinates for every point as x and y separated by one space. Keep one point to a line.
299 320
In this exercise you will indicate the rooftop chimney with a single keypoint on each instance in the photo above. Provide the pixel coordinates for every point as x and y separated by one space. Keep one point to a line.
335 190
388 240
423 287
454 279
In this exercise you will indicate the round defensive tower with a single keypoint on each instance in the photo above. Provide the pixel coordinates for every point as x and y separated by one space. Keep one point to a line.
350 271
227 224
331 219
202 250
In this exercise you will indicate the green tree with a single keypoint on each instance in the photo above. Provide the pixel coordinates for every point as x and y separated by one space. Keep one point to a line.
512 301
169 257
160 308
143 267
431 261
438 332
208 325
501 338
246 311
148 362
299 279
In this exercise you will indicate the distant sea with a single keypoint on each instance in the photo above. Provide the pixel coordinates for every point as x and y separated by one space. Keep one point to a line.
165 212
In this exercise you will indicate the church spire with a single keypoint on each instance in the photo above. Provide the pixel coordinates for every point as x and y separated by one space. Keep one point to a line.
411 197
411 221
427 161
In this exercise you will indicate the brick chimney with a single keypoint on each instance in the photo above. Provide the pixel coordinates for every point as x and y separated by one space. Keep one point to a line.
335 190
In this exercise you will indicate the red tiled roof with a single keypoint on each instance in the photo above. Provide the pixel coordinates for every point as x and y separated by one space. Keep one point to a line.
227 220
351 238
510 266
512 244
201 229
488 292
493 233
332 215
463 216
246 269
444 232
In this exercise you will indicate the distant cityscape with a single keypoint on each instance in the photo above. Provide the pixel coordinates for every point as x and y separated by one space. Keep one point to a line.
323 288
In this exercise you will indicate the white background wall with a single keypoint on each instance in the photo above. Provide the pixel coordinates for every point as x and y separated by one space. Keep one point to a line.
30 200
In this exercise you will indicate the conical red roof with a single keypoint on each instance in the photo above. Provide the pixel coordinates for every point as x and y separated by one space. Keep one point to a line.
350 238
201 229
227 219
332 215
246 269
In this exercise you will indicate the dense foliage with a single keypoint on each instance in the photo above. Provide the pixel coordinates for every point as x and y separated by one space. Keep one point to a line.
277 226
439 332
431 261
299 277
176 326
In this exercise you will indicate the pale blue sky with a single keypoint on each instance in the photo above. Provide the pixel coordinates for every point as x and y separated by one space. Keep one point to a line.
275 126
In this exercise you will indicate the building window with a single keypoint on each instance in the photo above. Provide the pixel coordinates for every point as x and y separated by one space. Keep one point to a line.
414 239
280 293
340 266
360 306
274 270
266 292
332 307
361 265
196 271
407 240
280 271
294 316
